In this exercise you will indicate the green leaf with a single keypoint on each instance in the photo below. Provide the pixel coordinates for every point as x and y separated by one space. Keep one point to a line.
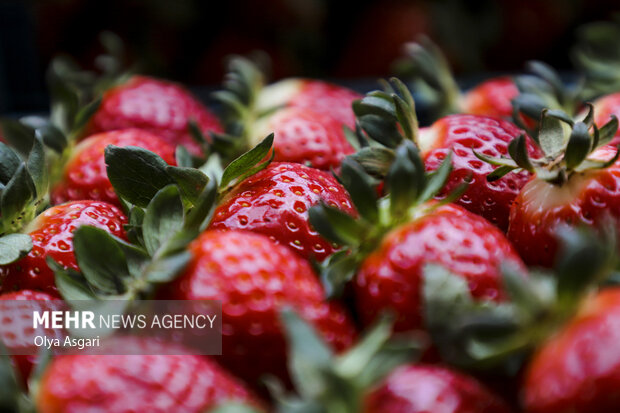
360 187
18 135
376 161
17 193
551 136
71 285
437 179
446 296
384 131
376 103
9 162
336 225
196 133
405 179
500 172
183 157
37 167
85 113
136 173
247 164
13 247
578 145
191 181
163 220
198 218
608 131
233 407
337 270
517 148
309 356
101 259
166 269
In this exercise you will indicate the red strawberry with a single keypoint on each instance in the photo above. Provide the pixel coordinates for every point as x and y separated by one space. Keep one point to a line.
138 383
492 97
304 136
576 183
158 106
275 202
315 95
605 107
17 332
307 116
85 176
422 389
52 234
578 369
462 134
391 277
255 279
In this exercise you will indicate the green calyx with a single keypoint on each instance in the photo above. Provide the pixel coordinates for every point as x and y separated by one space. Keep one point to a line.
168 207
565 144
481 335
24 181
387 129
329 383
409 189
542 88
429 71
242 85
597 56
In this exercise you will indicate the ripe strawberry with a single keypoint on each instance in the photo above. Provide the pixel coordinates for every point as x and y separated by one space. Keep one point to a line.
420 389
252 276
275 202
317 96
578 369
16 332
307 116
605 107
84 175
462 134
575 183
492 97
459 135
391 276
138 383
52 234
397 236
155 105
307 137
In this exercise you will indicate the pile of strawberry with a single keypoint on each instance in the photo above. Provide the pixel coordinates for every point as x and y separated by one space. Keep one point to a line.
364 263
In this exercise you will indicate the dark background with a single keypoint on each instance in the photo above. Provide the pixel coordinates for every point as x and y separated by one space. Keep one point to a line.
187 40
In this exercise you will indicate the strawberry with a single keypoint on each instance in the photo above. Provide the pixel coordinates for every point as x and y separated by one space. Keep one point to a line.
52 233
307 116
422 388
492 97
252 276
463 136
155 105
391 276
153 382
275 202
84 175
575 183
305 136
578 368
398 235
17 332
